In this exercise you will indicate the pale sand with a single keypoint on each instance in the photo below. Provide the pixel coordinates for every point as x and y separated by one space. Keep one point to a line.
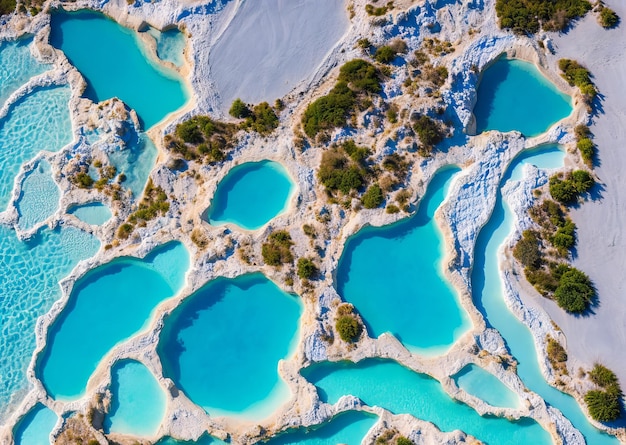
601 250
271 45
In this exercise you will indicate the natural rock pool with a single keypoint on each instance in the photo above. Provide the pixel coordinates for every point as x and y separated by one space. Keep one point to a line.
221 346
251 195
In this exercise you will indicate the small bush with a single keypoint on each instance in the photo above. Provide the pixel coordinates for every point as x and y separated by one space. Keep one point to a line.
277 250
587 150
392 208
385 54
403 441
575 291
125 230
307 269
603 376
83 180
349 328
428 131
566 191
565 236
373 197
608 18
239 109
556 352
604 406
263 119
526 251
578 75
7 6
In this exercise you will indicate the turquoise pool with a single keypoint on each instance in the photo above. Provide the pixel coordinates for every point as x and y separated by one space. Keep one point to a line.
211 345
135 161
170 45
36 426
484 385
487 295
108 305
510 94
114 66
251 195
17 66
94 213
138 404
345 428
39 121
387 384
29 286
39 198
404 291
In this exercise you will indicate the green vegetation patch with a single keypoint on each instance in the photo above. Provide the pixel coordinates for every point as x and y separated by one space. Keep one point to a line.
262 118
608 18
578 75
153 204
429 132
307 270
568 189
377 11
277 250
604 405
7 6
343 168
349 328
202 138
373 197
529 16
357 79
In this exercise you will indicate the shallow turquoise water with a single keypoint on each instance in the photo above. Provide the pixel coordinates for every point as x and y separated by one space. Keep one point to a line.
94 213
29 286
484 385
170 45
404 291
514 95
39 198
108 305
346 428
204 440
387 384
251 195
487 294
17 66
222 345
40 121
116 66
135 161
138 404
36 426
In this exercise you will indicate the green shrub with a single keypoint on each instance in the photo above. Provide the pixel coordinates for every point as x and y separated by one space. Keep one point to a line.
392 208
373 197
189 132
239 109
603 376
575 291
608 18
527 16
83 180
306 269
556 352
378 11
403 441
330 111
361 75
428 131
385 54
202 137
338 172
604 406
587 150
263 119
349 328
526 251
125 230
566 191
7 6
277 250
578 75
565 236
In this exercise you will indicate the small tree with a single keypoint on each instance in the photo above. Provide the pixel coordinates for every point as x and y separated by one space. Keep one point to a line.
349 328
239 109
306 269
604 406
608 18
373 197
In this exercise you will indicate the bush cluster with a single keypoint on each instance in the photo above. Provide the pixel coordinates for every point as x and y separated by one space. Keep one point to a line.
608 18
604 405
567 190
307 269
578 75
429 133
377 11
202 138
262 118
349 328
357 79
528 16
373 197
343 168
585 145
277 250
153 204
